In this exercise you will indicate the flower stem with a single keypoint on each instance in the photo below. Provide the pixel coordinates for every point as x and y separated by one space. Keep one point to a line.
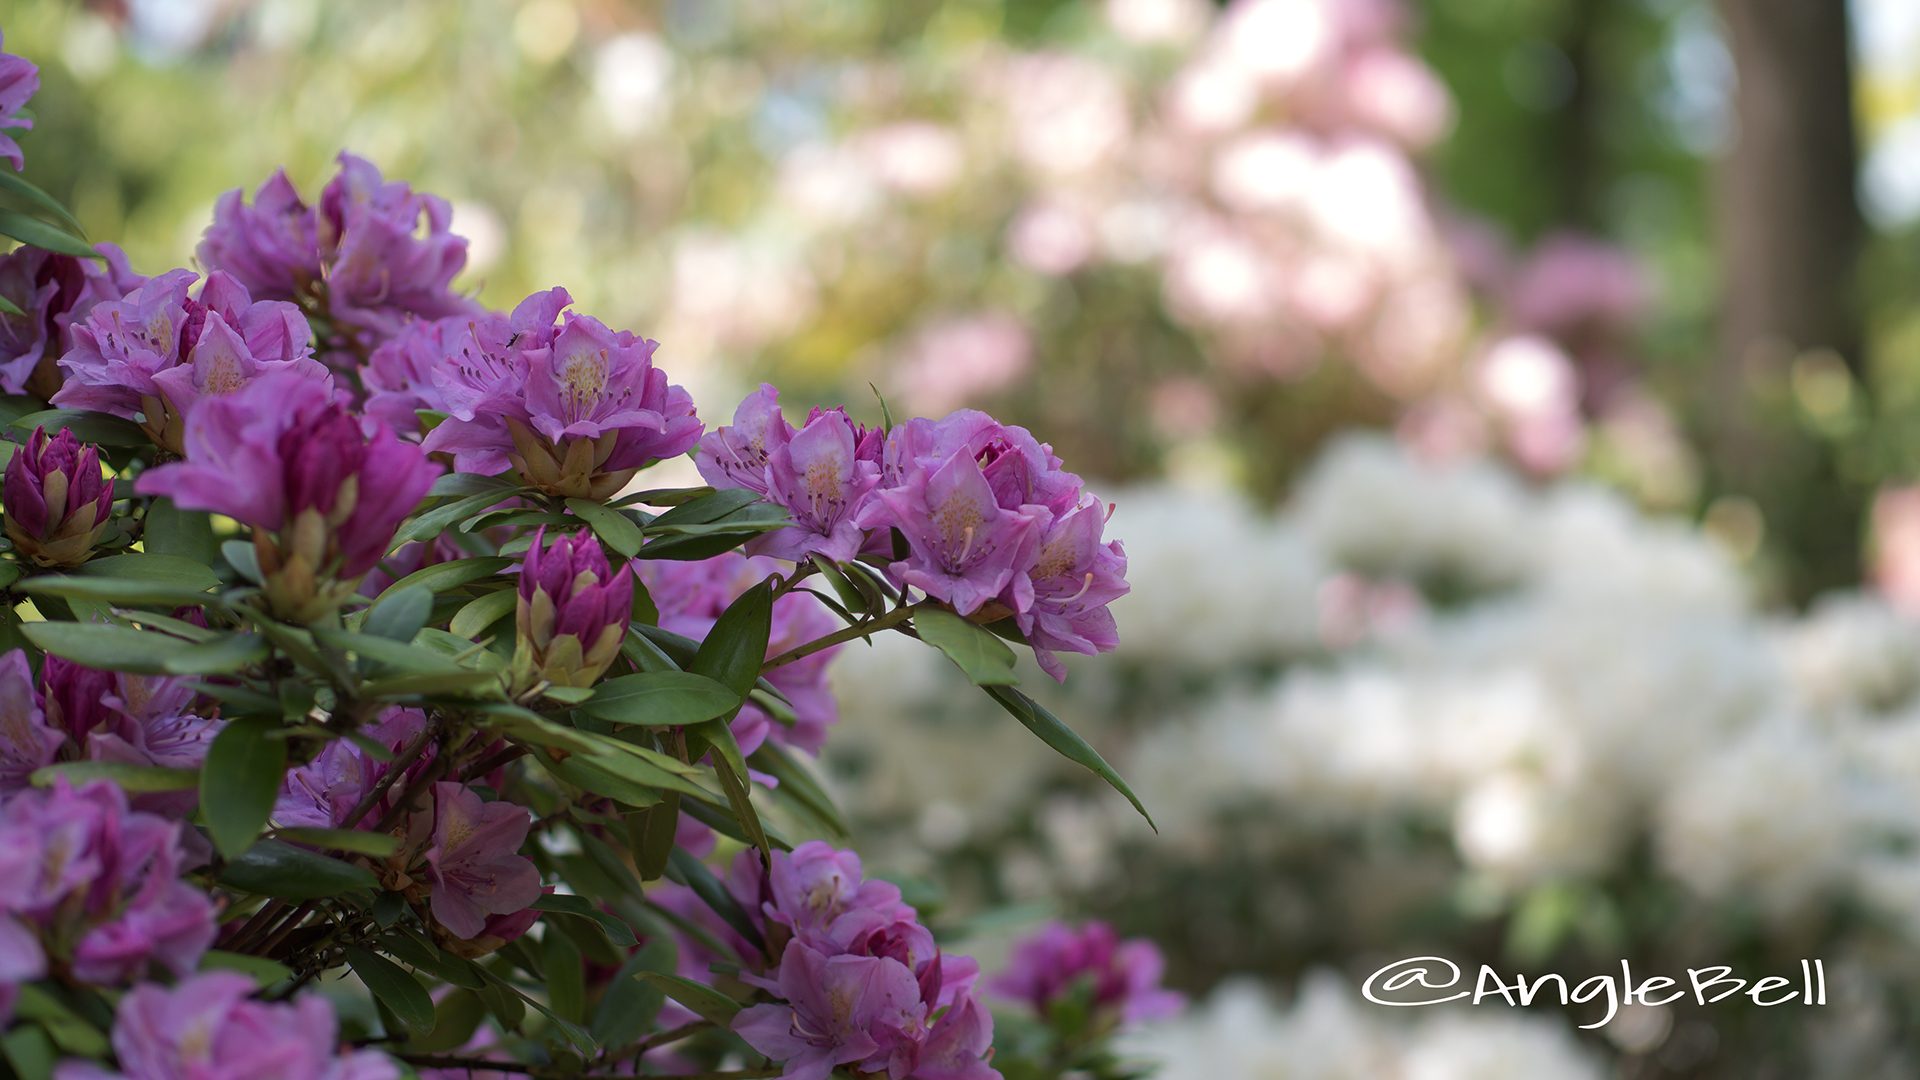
852 633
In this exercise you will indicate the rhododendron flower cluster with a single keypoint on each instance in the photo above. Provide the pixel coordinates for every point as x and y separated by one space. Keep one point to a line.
208 1027
372 254
341 646
96 887
1120 978
575 408
861 982
152 355
52 292
993 525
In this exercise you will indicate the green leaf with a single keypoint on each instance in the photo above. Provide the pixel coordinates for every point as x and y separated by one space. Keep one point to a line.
589 774
628 1007
390 984
463 484
660 699
285 872
358 841
479 615
8 307
440 577
422 955
614 528
799 787
401 657
68 1029
658 831
31 230
984 659
14 184
245 562
222 655
173 532
109 648
239 782
523 725
132 778
737 645
619 933
124 592
456 1017
163 569
29 1051
399 613
443 517
704 1001
566 977
89 427
708 508
435 684
1065 741
264 972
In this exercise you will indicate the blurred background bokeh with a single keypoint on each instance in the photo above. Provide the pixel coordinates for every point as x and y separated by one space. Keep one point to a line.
1511 407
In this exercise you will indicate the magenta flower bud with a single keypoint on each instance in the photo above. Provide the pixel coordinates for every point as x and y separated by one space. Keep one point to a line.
281 455
57 504
19 78
52 291
572 615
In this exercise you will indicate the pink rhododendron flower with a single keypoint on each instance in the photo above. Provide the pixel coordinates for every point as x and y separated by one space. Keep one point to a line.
27 741
131 719
821 474
283 456
1122 977
52 291
475 868
57 504
1075 579
377 252
155 353
575 408
19 78
861 981
102 881
572 613
690 597
209 1028
323 793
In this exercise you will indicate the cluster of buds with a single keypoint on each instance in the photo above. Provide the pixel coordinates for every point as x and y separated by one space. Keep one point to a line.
283 456
58 506
572 614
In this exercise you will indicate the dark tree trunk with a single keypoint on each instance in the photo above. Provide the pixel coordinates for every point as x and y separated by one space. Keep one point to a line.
1789 232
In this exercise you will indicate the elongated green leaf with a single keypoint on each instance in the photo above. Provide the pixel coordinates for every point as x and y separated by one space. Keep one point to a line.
125 592
432 523
264 971
732 770
19 186
615 529
91 427
984 659
799 786
285 872
658 830
1065 741
618 932
523 725
222 655
703 1001
390 984
41 234
660 699
707 508
440 577
737 645
464 484
422 955
399 613
241 556
240 781
629 1006
436 684
358 841
175 533
456 1016
386 653
29 1051
588 774
135 778
110 648
479 615
566 977
8 307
